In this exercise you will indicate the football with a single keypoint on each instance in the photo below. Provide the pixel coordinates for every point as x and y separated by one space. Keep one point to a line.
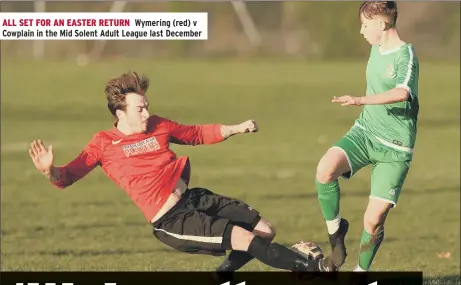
308 249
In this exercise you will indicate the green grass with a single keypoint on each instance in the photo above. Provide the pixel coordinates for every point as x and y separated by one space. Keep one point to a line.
94 226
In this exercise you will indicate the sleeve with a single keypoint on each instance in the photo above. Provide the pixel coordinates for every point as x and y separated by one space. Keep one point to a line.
87 160
194 134
407 72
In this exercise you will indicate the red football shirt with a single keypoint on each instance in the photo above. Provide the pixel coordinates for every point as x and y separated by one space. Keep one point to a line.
141 164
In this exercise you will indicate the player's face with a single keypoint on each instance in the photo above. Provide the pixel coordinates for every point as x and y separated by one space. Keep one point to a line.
372 29
136 114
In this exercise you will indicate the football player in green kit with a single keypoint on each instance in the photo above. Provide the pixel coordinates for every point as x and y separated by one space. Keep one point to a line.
383 136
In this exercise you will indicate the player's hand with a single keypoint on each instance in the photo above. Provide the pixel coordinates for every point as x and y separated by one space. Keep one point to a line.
347 100
249 126
42 157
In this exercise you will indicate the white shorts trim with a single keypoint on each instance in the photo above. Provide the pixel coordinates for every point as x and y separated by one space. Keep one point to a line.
384 200
217 240
397 147
348 161
386 143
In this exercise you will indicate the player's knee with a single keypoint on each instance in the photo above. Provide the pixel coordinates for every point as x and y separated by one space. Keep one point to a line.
325 171
373 222
325 177
271 230
375 215
265 229
331 166
240 238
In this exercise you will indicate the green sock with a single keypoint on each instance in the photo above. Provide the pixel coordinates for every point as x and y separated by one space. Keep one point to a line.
328 199
369 245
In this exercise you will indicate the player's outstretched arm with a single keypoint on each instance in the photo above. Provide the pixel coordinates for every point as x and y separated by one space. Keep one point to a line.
207 134
43 160
395 95
407 77
249 126
66 175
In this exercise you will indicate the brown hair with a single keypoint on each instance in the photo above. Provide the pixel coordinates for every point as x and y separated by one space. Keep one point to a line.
117 89
387 9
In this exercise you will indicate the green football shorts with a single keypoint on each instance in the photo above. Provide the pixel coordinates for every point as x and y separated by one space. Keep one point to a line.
389 166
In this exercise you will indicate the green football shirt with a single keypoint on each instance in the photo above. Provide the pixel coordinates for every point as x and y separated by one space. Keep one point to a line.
393 124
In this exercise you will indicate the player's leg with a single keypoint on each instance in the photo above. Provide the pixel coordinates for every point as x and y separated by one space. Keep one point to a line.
189 230
237 259
273 254
239 213
386 183
373 232
344 159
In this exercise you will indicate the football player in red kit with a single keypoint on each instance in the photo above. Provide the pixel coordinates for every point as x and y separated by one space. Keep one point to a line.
135 154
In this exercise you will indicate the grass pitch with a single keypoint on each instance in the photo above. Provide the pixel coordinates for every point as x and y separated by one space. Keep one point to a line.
93 225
